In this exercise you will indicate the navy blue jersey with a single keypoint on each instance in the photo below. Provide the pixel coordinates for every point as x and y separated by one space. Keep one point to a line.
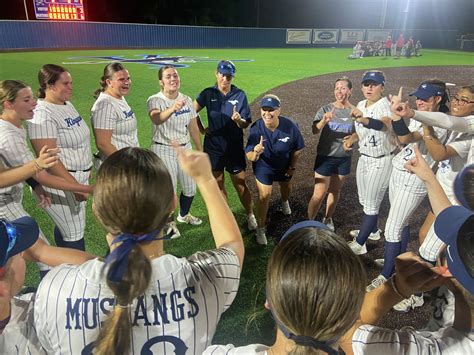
223 131
278 144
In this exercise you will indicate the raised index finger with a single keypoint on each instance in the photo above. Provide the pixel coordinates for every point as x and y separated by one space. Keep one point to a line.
400 92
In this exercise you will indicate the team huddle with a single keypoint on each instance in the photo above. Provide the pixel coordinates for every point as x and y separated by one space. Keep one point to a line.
138 299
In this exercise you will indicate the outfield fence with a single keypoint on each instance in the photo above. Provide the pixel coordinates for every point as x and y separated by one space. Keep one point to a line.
44 35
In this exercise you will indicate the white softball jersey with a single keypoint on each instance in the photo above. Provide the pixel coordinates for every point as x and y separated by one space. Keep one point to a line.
110 113
176 127
372 142
19 336
63 123
408 153
370 339
180 309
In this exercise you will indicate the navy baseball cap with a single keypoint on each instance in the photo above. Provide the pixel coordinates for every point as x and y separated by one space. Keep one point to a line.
455 227
226 67
269 101
16 236
426 90
374 76
464 178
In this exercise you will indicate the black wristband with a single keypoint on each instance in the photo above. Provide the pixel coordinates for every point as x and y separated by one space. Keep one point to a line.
400 128
32 182
374 124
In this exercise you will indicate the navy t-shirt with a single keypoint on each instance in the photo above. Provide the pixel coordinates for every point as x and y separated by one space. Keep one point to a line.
223 132
278 144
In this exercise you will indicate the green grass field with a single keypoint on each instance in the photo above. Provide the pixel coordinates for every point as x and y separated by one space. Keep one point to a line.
269 68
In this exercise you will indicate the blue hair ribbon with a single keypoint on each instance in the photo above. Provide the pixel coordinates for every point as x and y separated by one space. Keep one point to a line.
117 260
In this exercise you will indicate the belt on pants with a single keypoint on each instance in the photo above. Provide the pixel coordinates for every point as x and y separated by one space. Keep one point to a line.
380 156
169 145
83 171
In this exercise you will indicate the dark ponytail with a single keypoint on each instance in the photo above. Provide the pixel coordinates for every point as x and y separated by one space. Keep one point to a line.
109 71
48 75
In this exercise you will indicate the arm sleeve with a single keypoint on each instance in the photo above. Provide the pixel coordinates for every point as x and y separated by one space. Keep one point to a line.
201 99
153 104
103 116
15 153
462 146
42 126
440 119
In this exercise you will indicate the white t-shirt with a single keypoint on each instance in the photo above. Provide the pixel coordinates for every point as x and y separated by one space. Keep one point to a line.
176 127
19 336
229 349
13 152
372 142
115 115
369 339
184 301
63 123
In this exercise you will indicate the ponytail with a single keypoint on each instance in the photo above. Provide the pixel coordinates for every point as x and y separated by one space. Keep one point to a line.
115 335
109 71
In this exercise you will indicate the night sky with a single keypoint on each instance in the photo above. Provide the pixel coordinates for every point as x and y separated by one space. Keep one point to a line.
422 14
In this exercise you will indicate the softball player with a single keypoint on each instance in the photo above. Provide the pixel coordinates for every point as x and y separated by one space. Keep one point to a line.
274 146
174 119
376 146
406 190
16 105
228 113
113 121
309 257
154 303
333 161
56 123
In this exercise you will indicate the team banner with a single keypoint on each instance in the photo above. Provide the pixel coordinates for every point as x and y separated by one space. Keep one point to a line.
298 36
325 36
378 35
351 36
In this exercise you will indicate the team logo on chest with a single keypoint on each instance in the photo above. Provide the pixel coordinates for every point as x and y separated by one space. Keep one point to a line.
73 121
234 102
284 140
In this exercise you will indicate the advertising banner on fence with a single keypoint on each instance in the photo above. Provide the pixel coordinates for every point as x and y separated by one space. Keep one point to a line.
325 36
378 35
298 36
351 36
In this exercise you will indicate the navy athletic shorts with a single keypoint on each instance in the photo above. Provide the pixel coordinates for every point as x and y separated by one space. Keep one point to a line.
327 166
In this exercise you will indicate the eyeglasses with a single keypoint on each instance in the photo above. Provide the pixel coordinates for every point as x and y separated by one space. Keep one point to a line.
461 101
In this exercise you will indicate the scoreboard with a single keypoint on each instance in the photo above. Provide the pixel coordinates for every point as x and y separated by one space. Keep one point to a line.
69 10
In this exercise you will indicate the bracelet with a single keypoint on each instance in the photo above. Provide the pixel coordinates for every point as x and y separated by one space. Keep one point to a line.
394 287
38 168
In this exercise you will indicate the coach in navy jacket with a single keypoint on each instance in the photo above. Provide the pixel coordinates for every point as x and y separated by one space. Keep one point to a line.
274 146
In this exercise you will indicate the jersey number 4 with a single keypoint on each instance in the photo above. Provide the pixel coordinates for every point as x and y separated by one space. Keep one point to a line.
372 141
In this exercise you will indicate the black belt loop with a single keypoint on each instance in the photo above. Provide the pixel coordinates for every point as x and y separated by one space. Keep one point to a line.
380 156
169 145
83 171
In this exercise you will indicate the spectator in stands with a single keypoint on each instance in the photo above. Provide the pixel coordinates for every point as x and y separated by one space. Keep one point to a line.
418 48
388 46
400 43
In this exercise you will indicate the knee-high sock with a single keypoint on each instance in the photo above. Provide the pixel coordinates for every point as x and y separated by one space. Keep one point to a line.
368 223
405 239
185 204
392 250
60 242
